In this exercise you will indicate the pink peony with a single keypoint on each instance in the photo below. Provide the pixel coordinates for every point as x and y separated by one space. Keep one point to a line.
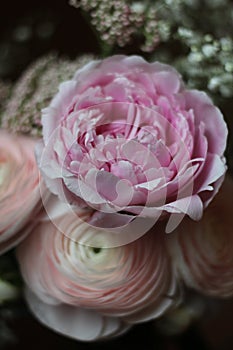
128 139
19 188
202 252
89 292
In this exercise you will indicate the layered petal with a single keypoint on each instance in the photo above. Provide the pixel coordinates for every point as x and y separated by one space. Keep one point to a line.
19 188
202 252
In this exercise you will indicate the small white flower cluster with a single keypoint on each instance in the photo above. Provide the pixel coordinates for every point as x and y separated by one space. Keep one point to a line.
209 62
120 22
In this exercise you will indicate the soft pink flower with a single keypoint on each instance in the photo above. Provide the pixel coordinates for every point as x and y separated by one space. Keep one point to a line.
203 251
89 292
19 188
126 138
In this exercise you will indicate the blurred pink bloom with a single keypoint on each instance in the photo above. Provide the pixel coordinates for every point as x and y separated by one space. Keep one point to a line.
203 251
19 188
126 138
89 292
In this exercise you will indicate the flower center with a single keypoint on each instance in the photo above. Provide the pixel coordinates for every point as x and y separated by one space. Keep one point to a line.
96 250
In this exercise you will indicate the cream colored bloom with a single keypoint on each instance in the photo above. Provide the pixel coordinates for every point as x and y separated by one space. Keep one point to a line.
19 188
70 277
203 251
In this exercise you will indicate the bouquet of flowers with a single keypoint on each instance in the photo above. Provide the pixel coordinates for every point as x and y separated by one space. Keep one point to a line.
115 198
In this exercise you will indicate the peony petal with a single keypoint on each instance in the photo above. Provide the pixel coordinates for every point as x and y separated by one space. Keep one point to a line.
167 83
213 119
192 206
214 169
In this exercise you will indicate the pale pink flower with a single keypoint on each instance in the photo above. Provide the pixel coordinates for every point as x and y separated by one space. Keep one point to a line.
19 188
126 138
89 292
203 251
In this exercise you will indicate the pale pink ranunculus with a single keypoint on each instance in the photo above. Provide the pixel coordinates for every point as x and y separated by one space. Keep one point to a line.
89 292
203 252
19 188
126 137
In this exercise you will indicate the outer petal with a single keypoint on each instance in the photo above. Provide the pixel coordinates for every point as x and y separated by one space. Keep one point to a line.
213 119
74 322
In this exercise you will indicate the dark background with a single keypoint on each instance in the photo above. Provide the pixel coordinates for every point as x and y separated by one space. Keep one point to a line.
29 29
50 25
213 331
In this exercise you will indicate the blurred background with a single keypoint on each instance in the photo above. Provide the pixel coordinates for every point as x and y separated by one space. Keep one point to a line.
28 30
